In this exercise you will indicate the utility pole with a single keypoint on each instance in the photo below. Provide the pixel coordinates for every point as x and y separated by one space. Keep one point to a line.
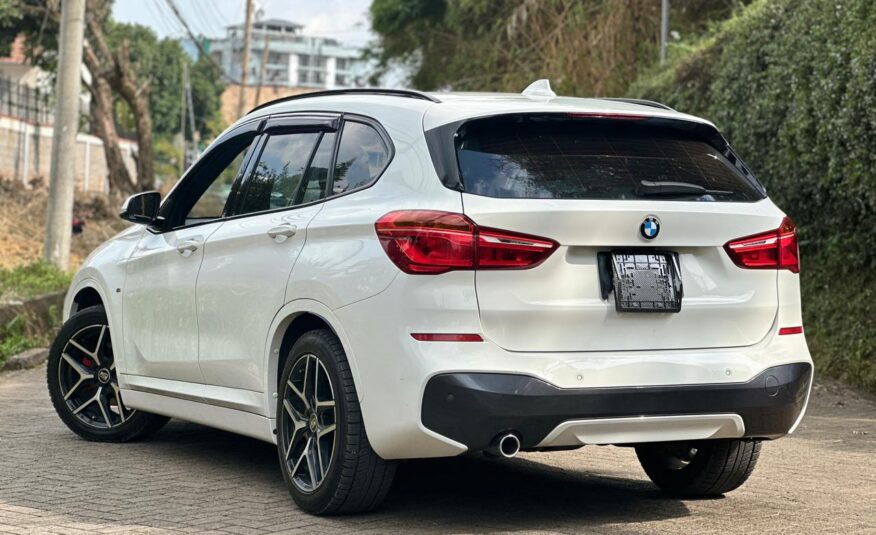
56 248
182 120
196 136
664 28
262 69
244 64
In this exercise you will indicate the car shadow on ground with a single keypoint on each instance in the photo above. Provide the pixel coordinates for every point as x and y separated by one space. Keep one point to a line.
462 493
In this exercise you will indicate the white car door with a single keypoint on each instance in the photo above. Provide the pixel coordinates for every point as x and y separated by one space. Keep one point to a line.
160 309
247 262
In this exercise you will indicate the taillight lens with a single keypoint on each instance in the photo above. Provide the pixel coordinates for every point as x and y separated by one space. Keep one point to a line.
776 249
432 242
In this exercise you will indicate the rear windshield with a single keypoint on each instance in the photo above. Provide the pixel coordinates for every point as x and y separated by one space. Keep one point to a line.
595 159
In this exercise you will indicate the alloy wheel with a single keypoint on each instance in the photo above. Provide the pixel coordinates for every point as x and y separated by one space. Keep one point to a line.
308 429
89 381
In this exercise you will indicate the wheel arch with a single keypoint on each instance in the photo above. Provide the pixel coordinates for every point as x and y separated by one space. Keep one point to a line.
292 321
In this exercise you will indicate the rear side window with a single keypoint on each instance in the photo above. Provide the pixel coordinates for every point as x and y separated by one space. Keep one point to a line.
595 159
362 156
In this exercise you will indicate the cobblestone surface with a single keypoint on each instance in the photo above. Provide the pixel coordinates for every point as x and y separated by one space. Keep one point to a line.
192 479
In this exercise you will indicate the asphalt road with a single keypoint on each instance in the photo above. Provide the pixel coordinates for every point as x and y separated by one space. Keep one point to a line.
191 479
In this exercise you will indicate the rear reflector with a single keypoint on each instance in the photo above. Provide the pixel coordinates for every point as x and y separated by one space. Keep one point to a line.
444 337
791 330
432 242
776 249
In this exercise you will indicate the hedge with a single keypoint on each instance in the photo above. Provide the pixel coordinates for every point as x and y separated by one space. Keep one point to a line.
792 84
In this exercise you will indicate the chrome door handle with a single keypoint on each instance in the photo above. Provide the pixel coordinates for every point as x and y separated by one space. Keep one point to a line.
281 232
187 247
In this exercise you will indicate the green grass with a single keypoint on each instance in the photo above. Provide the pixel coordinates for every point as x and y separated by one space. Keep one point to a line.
31 280
14 339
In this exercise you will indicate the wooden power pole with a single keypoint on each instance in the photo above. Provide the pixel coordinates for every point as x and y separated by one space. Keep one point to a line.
244 64
56 248
262 70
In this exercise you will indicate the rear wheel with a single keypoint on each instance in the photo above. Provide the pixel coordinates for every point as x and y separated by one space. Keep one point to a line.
83 383
699 468
327 461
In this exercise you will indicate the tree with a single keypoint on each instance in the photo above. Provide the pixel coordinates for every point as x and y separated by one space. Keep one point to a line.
135 81
585 47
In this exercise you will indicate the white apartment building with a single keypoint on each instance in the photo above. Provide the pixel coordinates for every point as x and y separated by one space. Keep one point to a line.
294 59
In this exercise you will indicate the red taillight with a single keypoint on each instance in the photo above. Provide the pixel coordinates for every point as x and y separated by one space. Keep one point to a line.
776 249
432 242
601 115
446 337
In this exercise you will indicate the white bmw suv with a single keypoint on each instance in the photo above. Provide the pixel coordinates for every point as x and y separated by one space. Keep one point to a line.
364 276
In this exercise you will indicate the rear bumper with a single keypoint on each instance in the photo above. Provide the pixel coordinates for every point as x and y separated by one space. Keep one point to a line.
473 408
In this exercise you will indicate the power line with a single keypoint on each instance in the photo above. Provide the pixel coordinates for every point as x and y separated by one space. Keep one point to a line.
196 41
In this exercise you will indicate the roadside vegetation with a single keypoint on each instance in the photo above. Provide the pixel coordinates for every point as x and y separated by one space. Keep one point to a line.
793 86
791 83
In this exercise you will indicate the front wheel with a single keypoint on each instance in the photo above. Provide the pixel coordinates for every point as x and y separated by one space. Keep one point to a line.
327 461
699 468
83 383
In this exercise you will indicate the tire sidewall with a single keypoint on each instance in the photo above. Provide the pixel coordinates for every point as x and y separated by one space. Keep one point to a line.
82 319
317 501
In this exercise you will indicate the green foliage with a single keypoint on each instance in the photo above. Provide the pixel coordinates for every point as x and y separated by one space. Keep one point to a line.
585 47
13 339
793 86
31 280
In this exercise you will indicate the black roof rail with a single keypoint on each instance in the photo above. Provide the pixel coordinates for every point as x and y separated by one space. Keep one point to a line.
331 92
639 101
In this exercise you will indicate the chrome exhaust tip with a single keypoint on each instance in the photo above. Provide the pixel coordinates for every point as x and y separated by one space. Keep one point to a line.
505 445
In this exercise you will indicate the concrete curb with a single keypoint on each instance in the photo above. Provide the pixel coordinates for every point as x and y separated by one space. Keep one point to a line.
26 359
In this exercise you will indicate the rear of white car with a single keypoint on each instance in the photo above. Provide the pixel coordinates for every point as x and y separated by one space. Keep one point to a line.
504 317
385 274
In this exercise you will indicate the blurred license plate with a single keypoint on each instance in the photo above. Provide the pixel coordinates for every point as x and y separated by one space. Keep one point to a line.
646 282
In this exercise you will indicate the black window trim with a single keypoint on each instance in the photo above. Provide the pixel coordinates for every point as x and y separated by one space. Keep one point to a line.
238 189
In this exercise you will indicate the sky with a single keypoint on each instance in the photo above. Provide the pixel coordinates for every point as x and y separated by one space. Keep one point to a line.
344 20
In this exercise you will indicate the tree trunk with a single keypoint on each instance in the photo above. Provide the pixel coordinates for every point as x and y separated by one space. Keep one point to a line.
105 126
123 79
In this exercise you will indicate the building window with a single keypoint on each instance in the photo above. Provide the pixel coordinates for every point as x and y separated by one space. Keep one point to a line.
303 60
342 80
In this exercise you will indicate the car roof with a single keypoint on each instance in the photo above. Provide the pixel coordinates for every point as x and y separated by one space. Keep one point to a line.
436 109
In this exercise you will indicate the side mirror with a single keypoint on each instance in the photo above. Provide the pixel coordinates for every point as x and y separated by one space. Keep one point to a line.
142 208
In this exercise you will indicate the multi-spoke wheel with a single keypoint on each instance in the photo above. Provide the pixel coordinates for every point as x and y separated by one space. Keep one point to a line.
327 461
700 468
84 386
309 431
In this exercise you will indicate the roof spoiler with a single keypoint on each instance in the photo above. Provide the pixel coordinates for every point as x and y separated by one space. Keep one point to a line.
332 92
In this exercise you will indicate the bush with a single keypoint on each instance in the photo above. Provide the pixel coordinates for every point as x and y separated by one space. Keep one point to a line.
31 280
792 84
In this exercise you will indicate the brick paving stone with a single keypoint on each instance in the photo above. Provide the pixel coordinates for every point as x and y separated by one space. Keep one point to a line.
192 479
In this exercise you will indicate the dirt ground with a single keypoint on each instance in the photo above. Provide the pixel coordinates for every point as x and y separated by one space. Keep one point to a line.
23 221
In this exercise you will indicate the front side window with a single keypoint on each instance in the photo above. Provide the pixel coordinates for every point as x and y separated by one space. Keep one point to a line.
275 179
211 204
362 156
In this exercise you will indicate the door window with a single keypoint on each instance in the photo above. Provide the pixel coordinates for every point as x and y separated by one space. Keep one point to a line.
314 185
281 167
211 204
362 156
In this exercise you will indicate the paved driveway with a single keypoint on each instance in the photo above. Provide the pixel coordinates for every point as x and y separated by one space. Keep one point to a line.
194 479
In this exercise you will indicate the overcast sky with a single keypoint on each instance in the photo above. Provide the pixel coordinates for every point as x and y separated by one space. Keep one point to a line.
344 20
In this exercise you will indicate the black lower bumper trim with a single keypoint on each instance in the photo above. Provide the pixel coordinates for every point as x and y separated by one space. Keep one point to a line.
472 408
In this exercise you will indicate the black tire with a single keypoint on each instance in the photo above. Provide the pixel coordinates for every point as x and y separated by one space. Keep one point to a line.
701 468
356 479
109 423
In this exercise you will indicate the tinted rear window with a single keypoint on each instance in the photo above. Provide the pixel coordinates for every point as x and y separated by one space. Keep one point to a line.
594 159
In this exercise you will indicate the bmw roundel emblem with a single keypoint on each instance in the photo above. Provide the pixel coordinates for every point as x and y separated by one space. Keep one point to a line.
650 227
